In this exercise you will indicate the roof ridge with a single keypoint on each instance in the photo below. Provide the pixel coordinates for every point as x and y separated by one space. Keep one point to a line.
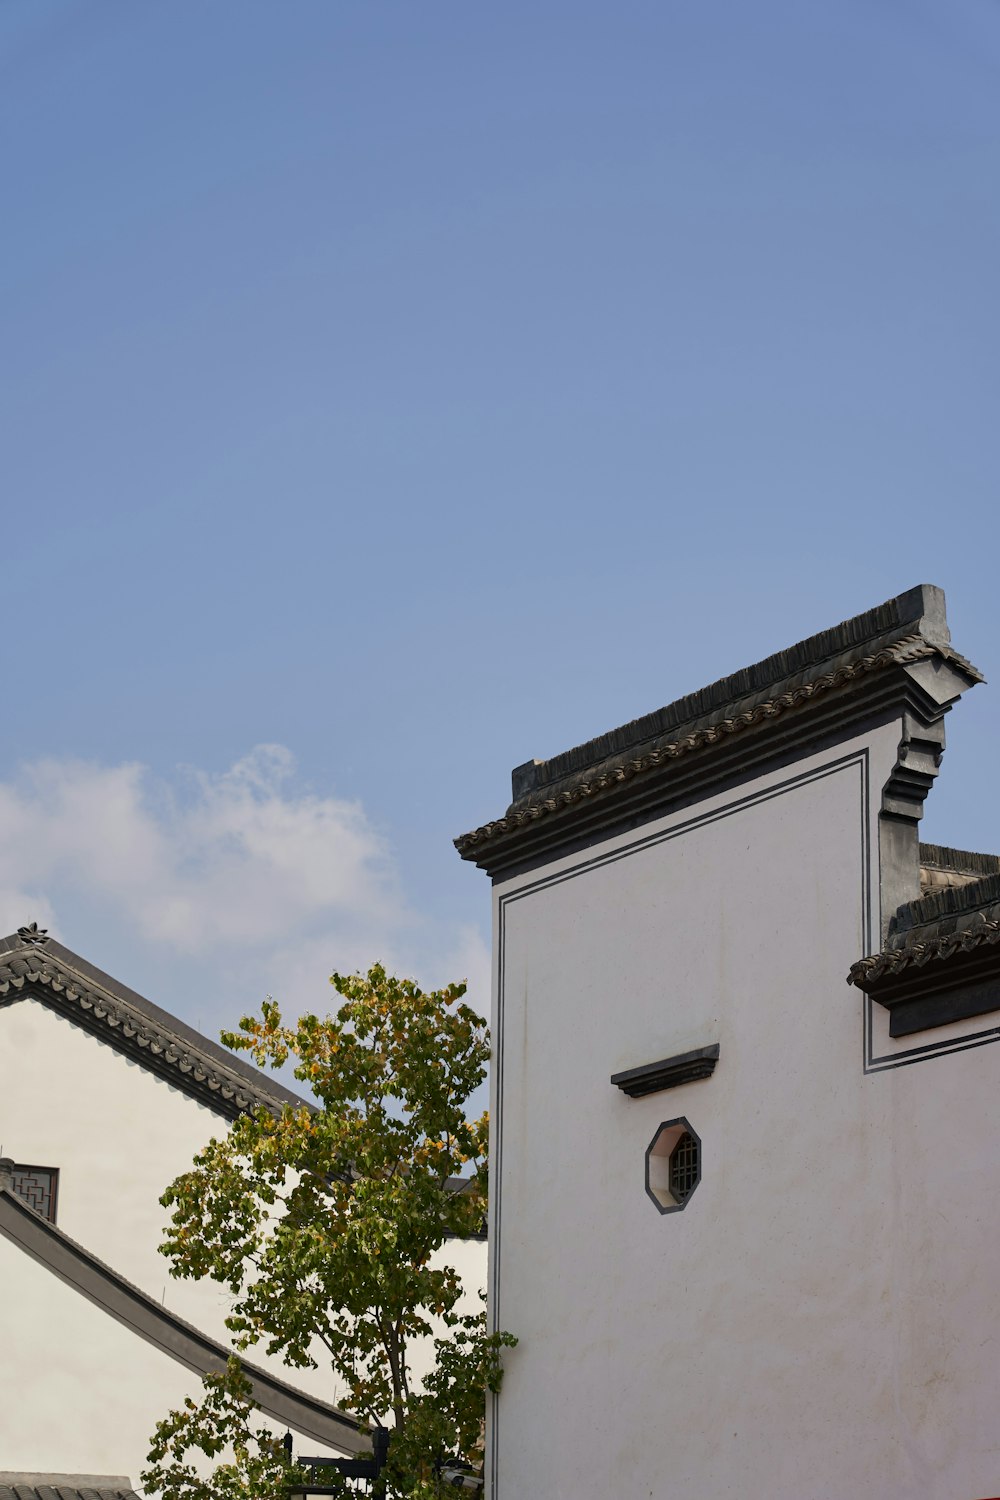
920 611
950 923
142 1029
948 901
697 738
960 861
22 1486
901 632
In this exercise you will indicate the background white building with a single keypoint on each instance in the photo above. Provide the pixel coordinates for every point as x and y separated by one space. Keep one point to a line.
744 1214
104 1100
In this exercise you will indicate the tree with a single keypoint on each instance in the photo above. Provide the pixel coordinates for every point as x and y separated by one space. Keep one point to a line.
322 1221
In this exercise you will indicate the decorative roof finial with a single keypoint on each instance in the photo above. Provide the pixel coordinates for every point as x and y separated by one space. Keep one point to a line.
33 933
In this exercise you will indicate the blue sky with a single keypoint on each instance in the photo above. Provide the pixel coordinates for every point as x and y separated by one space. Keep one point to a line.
417 389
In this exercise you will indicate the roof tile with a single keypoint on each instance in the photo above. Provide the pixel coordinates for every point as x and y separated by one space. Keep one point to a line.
947 923
133 1024
902 631
65 1487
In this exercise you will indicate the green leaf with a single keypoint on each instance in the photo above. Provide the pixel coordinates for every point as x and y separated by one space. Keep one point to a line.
322 1222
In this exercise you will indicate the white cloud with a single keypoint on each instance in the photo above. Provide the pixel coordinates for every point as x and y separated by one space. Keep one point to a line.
208 892
237 858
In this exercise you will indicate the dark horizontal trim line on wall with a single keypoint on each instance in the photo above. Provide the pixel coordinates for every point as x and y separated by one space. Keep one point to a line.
650 1078
604 856
911 1055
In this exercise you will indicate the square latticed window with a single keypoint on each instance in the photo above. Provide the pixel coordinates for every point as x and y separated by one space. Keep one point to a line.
685 1165
38 1186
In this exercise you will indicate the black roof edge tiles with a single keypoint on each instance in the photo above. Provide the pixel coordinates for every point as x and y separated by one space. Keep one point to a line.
126 1020
956 925
953 901
908 628
65 1491
960 861
167 1046
24 1486
921 608
151 1321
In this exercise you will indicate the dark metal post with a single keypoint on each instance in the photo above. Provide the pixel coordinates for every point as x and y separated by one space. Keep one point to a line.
350 1468
380 1453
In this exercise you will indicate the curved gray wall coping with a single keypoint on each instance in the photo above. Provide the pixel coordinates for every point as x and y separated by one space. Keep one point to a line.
130 1306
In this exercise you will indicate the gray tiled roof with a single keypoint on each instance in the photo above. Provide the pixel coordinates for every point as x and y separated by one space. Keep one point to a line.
905 630
39 966
941 866
15 1486
948 923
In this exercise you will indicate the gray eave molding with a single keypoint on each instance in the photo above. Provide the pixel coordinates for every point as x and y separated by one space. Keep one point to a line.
941 960
892 660
41 968
130 1306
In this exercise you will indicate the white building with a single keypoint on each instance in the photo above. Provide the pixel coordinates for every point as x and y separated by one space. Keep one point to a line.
104 1100
744 1215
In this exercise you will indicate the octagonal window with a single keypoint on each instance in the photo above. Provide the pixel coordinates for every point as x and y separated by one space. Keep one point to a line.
673 1165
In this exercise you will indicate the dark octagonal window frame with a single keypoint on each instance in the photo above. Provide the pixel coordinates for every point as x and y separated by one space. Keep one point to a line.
678 1127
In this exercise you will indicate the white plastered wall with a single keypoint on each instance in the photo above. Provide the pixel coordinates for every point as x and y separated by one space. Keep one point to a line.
819 1320
76 1386
119 1134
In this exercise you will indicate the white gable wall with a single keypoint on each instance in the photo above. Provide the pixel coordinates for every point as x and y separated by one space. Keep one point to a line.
818 1320
78 1395
76 1386
119 1134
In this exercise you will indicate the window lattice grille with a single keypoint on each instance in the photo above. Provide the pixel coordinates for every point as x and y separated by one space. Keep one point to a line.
37 1186
684 1167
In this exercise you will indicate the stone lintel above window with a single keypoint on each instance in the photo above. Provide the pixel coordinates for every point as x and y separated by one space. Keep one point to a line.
668 1073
